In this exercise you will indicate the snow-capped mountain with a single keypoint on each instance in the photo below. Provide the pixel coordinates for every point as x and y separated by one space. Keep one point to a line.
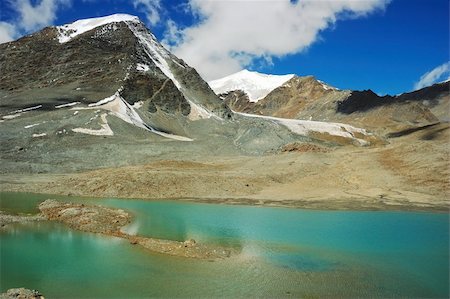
94 59
306 98
106 84
254 84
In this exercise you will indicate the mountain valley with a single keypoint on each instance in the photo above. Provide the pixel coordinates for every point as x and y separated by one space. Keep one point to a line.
100 108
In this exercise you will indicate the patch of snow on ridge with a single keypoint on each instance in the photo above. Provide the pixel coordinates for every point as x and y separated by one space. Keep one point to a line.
158 54
69 31
142 67
254 84
104 101
303 127
155 52
326 86
120 108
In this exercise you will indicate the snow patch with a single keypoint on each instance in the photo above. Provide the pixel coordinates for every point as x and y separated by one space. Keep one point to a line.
159 55
28 109
30 126
67 105
11 116
69 31
120 108
256 85
104 131
142 67
39 135
326 86
304 127
155 52
104 101
138 105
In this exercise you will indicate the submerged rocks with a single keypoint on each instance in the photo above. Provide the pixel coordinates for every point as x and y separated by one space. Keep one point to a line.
21 293
8 219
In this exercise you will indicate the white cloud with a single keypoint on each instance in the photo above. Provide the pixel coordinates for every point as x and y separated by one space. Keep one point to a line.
43 13
30 17
232 34
172 34
7 32
151 8
437 74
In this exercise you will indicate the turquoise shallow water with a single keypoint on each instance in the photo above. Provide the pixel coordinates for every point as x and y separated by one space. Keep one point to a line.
285 252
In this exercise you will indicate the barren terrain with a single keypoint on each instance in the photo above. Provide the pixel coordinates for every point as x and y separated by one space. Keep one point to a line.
409 172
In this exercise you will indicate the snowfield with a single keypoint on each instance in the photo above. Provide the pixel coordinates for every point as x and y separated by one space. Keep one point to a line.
69 31
256 85
304 127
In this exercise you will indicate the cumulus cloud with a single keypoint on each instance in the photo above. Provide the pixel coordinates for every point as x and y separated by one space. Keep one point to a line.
7 32
31 16
232 34
36 16
151 8
438 74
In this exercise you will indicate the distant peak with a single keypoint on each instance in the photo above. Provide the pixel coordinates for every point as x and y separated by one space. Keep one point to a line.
69 31
255 85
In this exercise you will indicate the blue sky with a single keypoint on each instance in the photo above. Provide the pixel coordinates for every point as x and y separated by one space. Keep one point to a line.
387 46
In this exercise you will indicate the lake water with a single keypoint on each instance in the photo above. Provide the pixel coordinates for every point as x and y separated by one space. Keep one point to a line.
285 252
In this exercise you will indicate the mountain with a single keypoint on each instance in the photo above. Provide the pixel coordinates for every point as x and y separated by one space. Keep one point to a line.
310 99
100 108
254 84
72 93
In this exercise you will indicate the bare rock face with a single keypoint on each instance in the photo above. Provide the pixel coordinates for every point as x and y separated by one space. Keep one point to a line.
21 293
238 101
119 56
296 95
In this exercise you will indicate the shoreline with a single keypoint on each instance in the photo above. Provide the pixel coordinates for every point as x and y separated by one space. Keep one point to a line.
308 204
109 221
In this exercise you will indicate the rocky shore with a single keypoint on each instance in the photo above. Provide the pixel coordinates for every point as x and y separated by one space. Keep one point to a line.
21 293
109 221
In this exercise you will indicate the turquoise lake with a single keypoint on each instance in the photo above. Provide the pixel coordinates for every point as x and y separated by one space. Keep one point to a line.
284 252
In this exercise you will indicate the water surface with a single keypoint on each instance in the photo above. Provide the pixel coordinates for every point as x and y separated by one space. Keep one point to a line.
284 252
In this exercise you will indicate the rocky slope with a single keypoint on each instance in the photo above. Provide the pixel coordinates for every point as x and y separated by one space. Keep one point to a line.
99 108
310 99
70 94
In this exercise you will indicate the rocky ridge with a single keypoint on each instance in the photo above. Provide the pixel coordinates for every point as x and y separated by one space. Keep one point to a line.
310 99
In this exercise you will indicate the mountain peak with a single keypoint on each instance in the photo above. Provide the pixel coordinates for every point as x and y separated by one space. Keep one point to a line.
255 85
69 31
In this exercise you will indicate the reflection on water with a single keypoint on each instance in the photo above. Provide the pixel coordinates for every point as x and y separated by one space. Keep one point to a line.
285 252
